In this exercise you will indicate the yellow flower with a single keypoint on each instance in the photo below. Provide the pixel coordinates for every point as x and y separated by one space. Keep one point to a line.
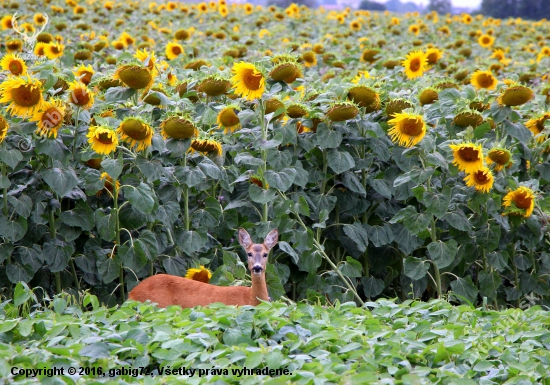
80 95
135 132
310 58
415 64
501 157
520 201
486 41
4 126
414 29
173 50
248 82
53 50
13 63
207 146
135 77
536 126
484 79
228 120
84 73
102 139
468 157
6 22
49 118
147 58
481 179
202 274
433 55
406 129
40 49
178 127
23 93
515 96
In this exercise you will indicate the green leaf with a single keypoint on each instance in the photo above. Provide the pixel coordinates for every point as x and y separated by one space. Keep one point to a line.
381 187
481 130
437 203
285 247
260 195
302 207
141 197
415 268
13 230
10 157
190 242
119 94
372 286
95 350
130 258
351 268
17 273
209 168
113 167
443 253
351 182
498 260
108 269
54 148
327 138
358 235
278 159
22 205
380 235
81 216
417 223
274 359
489 283
246 158
57 254
189 176
340 161
61 181
488 236
280 180
274 284
105 224
458 220
310 261
517 130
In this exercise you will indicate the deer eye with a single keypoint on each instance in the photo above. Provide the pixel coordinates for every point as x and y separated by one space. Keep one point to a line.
250 254
265 255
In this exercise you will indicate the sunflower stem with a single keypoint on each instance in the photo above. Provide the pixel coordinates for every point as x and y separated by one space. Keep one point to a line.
76 124
185 198
117 239
53 234
513 263
5 190
323 187
73 272
261 106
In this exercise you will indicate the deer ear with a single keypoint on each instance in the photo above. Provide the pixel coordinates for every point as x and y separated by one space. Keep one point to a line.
271 238
244 238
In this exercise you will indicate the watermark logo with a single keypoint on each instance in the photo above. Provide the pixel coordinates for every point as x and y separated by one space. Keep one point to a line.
29 40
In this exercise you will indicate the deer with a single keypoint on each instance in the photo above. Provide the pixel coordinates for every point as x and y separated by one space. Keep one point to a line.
29 40
167 290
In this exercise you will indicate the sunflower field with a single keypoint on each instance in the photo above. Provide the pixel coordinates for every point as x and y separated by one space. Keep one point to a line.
400 156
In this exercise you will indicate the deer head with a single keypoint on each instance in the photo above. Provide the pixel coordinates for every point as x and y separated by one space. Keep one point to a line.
257 252
29 40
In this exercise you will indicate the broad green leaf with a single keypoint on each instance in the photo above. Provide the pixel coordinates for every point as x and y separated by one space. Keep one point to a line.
81 216
260 195
415 268
381 187
61 181
358 235
443 253
438 203
22 205
285 247
209 168
22 293
458 220
12 230
339 161
57 254
141 197
190 242
95 350
280 180
105 224
489 282
380 235
17 273
372 286
108 269
352 182
351 268
10 157
328 138
113 167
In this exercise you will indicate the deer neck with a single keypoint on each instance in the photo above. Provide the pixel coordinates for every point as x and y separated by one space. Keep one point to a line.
258 289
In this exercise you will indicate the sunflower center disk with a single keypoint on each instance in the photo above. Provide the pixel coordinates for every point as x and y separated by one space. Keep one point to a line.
522 200
80 97
229 119
15 67
201 276
415 64
135 77
52 117
499 157
485 81
468 154
26 95
412 127
481 177
252 79
135 129
104 138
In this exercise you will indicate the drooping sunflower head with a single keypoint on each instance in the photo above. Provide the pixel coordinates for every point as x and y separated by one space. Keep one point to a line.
309 58
247 80
515 95
415 64
484 79
49 118
536 126
428 96
520 201
4 126
202 274
214 85
228 119
135 76
14 45
468 118
84 73
179 128
468 157
296 110
108 183
406 129
274 104
14 64
342 111
23 93
395 106
146 58
370 55
80 95
366 97
207 146
482 179
285 71
136 132
500 157
103 140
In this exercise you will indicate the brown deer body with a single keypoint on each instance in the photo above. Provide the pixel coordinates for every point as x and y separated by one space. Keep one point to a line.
168 290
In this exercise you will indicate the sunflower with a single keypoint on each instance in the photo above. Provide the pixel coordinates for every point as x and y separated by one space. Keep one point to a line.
49 118
309 58
40 49
4 126
214 85
498 54
369 55
247 80
415 64
147 58
500 156
414 29
468 157
135 132
13 63
536 126
84 73
178 127
486 41
14 45
23 93
395 106
207 146
53 50
6 22
482 179
80 95
134 76
433 55
202 274
228 119
286 71
515 95
365 96
428 96
107 183
173 50
483 79
406 129
342 111
102 139
520 201
355 25
468 118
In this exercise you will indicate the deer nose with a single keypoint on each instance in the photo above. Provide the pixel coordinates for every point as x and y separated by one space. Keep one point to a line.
257 269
